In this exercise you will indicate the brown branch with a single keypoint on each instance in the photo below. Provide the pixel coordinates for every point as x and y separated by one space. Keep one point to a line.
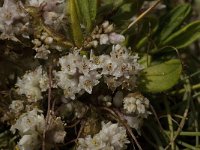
80 130
157 119
128 128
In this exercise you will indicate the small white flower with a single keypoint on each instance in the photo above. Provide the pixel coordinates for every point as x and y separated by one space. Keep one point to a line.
44 82
106 100
69 63
119 52
129 83
97 61
53 19
35 3
43 36
109 66
111 137
29 142
115 38
56 5
105 24
36 42
58 136
112 83
16 106
48 40
104 39
32 84
134 122
10 12
84 65
123 69
42 52
67 83
55 132
87 82
30 122
109 29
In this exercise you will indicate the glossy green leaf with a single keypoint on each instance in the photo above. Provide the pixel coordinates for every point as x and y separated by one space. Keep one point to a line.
185 36
74 23
161 77
173 20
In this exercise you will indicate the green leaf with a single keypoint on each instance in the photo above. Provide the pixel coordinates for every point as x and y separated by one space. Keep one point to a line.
185 36
74 23
161 77
148 25
145 60
83 5
108 7
173 20
126 11
93 9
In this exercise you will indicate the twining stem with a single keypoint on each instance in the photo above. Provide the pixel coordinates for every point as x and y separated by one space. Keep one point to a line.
48 108
141 16
196 124
170 123
157 119
155 137
81 129
192 75
193 87
188 99
116 114
128 128
187 145
184 133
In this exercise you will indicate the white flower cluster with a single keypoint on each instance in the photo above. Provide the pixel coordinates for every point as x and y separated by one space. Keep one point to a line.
42 45
53 15
16 106
104 34
30 126
111 137
32 84
10 14
53 11
78 73
137 104
14 19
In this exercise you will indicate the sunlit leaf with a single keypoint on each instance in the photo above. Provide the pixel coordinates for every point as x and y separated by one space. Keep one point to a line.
161 77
